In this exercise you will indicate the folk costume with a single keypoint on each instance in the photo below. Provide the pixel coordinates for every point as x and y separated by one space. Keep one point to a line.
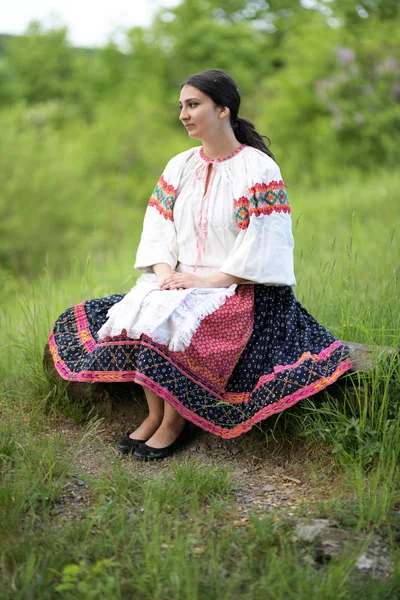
224 358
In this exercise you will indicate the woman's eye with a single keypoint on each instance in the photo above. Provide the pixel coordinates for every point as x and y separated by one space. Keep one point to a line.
191 105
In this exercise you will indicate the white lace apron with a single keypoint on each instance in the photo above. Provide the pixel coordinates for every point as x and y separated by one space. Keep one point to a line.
169 317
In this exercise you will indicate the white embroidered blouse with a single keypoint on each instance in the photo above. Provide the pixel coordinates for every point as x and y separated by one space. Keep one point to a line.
239 225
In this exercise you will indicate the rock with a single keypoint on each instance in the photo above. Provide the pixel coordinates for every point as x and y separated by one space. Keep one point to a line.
376 562
268 488
200 455
308 531
364 357
58 509
102 395
332 543
287 478
98 395
364 563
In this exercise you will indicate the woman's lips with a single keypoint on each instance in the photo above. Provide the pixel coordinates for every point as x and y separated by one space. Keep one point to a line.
189 125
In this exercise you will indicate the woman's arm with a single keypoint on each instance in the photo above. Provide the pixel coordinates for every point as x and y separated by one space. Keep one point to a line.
176 281
162 271
223 280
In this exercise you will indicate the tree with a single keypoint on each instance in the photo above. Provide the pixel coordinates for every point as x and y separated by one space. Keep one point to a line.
42 62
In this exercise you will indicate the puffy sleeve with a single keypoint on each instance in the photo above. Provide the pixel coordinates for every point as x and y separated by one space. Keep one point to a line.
263 249
158 240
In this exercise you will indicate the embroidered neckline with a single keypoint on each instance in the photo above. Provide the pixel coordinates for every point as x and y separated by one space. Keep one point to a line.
216 160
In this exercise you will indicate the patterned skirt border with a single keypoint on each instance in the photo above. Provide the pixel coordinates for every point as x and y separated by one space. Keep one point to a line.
262 414
228 399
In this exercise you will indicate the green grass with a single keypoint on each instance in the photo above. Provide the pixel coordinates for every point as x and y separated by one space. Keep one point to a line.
172 536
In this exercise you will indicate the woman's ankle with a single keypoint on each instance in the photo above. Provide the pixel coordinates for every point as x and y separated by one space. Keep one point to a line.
173 424
154 419
147 428
167 433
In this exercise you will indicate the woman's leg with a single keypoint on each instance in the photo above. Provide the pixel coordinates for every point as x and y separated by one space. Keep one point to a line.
154 418
170 428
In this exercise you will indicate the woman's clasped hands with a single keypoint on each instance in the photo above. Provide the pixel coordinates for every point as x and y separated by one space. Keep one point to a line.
182 281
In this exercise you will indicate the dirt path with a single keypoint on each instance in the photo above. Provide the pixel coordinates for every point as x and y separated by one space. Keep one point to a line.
264 481
281 483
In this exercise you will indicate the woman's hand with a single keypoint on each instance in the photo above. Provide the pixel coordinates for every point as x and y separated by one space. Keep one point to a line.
182 281
162 271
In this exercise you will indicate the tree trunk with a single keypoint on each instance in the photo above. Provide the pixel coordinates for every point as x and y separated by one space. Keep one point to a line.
363 357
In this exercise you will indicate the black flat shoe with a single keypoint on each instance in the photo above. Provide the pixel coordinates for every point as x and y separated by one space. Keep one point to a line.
145 452
128 445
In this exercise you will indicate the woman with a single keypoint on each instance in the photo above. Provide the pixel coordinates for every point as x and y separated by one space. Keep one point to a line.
213 332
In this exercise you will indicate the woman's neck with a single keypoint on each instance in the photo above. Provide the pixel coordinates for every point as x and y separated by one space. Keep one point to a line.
220 147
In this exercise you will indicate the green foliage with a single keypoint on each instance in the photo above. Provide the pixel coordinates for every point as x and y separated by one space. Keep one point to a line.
41 64
64 191
172 535
228 40
85 135
352 13
336 98
89 581
322 82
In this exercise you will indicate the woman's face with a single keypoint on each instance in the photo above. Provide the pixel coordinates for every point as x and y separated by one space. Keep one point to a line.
199 114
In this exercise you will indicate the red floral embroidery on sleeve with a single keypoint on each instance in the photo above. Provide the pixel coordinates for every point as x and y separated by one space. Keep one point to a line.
242 212
263 199
163 199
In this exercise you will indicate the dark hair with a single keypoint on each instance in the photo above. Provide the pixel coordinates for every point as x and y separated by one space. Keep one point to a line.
222 89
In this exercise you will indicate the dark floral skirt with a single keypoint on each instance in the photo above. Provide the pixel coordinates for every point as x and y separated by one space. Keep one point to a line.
258 354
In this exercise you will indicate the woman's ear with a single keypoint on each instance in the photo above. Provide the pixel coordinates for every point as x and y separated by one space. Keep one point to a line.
223 112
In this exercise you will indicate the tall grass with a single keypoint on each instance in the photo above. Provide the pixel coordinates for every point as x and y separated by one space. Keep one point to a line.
173 537
156 539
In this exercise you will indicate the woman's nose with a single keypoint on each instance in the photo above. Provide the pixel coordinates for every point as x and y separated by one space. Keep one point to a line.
183 114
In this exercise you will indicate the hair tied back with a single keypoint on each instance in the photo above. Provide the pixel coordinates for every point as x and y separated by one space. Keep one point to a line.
223 90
